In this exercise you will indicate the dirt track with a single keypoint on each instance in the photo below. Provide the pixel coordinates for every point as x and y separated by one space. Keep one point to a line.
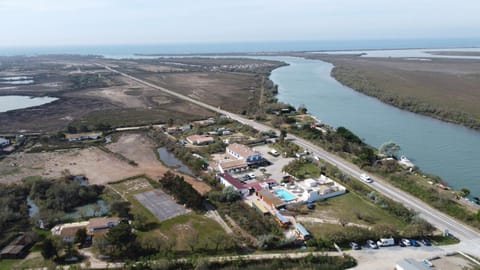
98 166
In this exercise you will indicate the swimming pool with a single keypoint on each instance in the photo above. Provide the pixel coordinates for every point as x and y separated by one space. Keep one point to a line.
285 195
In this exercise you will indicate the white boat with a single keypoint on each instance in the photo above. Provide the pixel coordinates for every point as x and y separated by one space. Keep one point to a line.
404 161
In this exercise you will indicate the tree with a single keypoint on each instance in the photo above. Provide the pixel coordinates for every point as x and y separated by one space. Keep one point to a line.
283 135
389 149
121 209
217 238
192 240
230 194
464 192
81 236
122 240
48 249
140 221
302 109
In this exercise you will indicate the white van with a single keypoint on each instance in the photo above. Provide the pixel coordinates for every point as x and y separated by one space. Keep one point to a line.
385 242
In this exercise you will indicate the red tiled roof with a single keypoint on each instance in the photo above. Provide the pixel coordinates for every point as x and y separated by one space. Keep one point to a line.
232 180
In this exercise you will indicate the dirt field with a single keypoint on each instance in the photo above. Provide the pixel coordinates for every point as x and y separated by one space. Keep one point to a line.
235 91
98 166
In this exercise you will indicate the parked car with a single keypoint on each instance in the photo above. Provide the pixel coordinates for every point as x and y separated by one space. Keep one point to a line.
414 243
372 244
425 242
406 242
355 246
401 244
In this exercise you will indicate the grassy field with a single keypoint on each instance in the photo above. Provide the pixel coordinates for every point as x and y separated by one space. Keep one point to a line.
354 209
191 228
441 88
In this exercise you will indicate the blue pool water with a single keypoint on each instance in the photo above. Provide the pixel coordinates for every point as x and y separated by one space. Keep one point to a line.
285 195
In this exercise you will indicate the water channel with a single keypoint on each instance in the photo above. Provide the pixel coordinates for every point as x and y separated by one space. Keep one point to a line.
448 150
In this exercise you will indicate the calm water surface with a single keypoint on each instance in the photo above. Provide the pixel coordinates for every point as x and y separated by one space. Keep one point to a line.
448 150
171 161
8 103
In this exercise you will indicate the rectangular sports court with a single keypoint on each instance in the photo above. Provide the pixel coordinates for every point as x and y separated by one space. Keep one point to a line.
160 204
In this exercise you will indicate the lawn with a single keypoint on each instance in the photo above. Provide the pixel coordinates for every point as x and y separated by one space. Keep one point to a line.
182 229
354 209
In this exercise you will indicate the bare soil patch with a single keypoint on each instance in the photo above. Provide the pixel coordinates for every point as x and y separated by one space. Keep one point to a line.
233 91
98 166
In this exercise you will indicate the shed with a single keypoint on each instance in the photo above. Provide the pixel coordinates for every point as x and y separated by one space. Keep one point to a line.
302 233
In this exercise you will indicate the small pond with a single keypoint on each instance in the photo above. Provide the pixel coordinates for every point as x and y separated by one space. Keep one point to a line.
171 161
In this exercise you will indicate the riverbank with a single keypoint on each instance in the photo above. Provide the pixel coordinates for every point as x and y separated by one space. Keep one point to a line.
444 89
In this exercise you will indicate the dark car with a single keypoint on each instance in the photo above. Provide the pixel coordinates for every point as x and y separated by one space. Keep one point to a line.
311 206
400 243
425 242
414 243
355 246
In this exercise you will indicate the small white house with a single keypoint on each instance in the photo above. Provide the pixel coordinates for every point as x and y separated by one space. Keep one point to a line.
311 190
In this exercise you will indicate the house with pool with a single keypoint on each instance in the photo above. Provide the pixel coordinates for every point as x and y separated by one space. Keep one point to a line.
306 191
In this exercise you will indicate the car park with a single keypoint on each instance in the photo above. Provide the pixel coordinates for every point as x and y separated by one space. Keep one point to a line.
372 244
355 246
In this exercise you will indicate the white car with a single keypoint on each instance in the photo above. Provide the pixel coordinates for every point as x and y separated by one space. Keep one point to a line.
366 178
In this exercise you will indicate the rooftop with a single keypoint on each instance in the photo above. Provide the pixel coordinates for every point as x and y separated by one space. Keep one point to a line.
301 229
232 180
79 135
230 164
243 150
272 198
101 222
200 138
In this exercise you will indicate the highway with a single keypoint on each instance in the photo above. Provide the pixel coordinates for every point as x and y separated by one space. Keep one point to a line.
470 238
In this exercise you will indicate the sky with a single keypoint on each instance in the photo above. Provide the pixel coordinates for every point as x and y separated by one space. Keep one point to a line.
95 22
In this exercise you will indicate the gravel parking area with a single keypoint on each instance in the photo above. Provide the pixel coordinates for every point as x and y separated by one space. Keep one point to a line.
275 170
160 204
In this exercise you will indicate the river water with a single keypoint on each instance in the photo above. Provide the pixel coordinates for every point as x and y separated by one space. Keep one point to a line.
448 150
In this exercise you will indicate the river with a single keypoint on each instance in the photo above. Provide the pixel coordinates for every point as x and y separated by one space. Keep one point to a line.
448 150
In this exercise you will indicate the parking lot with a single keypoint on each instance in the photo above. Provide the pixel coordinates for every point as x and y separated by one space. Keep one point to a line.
160 204
275 169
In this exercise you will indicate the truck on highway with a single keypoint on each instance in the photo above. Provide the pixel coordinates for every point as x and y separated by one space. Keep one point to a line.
385 242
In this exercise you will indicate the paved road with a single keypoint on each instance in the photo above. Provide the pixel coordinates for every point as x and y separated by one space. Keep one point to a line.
470 238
